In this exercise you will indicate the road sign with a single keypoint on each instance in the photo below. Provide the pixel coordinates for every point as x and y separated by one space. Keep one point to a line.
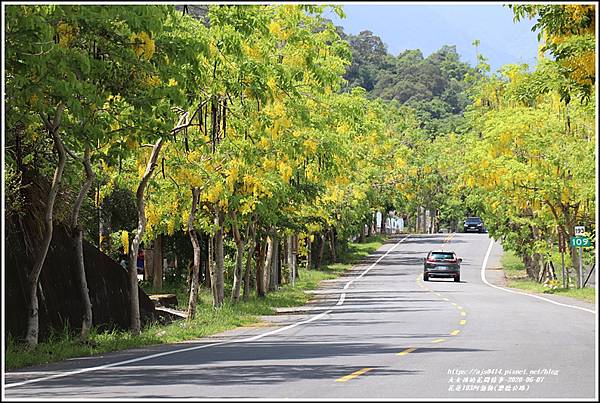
580 241
579 230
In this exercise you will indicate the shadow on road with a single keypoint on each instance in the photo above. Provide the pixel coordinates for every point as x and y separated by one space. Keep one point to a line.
222 366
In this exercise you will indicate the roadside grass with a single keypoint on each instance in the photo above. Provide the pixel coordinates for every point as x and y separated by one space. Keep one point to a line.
66 344
516 276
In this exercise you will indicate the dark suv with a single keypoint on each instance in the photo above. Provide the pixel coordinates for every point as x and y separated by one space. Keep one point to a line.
474 224
440 263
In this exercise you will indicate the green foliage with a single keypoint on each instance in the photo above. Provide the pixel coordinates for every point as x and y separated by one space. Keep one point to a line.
14 201
285 121
436 86
569 35
66 344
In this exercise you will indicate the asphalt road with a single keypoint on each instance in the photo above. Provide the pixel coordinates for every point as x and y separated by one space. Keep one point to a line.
379 332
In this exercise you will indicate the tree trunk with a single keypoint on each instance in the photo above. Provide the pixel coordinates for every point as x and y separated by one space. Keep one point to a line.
219 288
135 244
383 221
206 263
295 272
251 248
267 266
280 263
274 266
288 256
157 263
86 322
321 251
417 220
104 243
149 264
309 251
260 270
332 246
31 337
211 267
196 247
533 269
239 256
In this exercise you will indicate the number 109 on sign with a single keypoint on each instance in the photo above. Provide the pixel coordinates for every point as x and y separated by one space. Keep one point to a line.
580 241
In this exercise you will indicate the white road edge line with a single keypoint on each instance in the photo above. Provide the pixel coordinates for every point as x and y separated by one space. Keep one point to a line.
148 357
246 339
484 265
343 295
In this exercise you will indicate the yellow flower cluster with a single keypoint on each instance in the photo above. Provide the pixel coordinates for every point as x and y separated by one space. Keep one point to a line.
125 241
285 171
143 45
66 34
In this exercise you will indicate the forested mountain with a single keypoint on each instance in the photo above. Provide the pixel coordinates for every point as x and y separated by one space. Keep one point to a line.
435 86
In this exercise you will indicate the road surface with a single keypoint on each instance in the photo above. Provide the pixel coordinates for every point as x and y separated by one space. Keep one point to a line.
379 332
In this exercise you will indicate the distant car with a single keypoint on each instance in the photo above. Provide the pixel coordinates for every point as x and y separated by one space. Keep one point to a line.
439 263
474 224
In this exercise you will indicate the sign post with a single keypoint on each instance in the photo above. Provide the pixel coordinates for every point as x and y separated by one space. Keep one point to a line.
579 232
580 267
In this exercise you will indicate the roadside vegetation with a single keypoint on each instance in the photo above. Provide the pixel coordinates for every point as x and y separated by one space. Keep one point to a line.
67 344
232 140
517 277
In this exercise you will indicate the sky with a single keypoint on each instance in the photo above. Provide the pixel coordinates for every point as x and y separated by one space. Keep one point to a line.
429 26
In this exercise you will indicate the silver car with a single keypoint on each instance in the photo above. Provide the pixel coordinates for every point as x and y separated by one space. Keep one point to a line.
439 263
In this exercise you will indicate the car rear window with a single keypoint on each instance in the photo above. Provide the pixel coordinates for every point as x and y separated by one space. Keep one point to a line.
442 255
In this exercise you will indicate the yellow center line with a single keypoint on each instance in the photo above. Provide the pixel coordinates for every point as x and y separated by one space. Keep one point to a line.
455 304
459 307
462 322
445 299
407 351
353 375
455 332
438 340
463 313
